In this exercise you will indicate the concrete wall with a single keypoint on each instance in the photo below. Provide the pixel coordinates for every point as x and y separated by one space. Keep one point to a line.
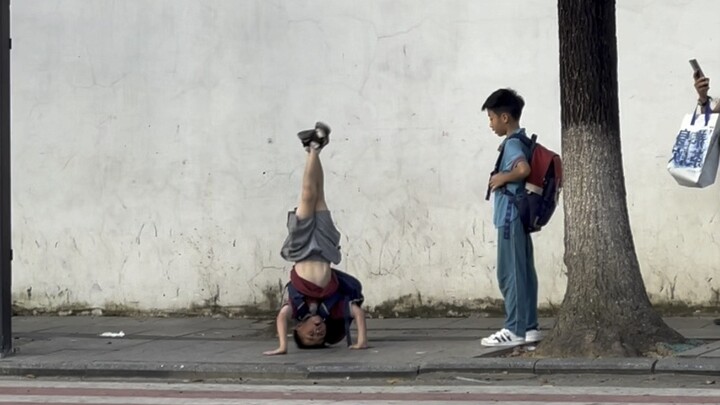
155 154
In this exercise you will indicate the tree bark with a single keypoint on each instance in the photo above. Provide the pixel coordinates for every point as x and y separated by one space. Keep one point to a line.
606 310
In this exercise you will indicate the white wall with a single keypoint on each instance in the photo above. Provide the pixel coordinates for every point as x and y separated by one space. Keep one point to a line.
155 154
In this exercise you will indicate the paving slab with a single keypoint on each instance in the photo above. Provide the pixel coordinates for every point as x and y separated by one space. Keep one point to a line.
706 366
704 350
45 346
158 351
700 333
689 322
61 355
221 333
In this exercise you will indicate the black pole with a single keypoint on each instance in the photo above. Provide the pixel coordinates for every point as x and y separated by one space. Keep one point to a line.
5 224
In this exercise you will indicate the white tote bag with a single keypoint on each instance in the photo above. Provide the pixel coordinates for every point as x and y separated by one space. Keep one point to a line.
695 156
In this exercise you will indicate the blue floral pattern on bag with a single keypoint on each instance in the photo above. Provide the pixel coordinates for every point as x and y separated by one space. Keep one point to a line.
690 149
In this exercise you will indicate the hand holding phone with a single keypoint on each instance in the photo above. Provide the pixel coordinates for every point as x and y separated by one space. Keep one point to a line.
702 83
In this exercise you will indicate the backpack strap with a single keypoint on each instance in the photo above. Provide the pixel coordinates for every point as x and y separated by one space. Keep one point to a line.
297 301
495 171
528 143
326 306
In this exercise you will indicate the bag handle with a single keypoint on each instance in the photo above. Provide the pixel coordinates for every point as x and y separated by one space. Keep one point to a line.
708 111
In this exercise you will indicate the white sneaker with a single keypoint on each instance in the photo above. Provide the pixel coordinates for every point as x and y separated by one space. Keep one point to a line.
533 336
502 338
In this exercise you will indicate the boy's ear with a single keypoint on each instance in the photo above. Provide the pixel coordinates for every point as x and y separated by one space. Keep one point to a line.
505 118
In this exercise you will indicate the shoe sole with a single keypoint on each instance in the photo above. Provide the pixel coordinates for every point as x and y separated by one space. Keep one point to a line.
509 344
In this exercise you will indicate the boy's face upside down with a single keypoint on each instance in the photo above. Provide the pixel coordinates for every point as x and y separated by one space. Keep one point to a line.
312 331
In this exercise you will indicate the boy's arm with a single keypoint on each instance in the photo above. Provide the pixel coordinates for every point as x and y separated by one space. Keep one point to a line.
359 316
518 173
282 320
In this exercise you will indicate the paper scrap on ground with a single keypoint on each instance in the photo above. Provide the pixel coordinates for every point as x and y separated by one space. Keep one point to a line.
113 334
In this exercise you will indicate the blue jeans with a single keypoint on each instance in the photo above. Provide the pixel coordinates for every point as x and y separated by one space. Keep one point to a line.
517 278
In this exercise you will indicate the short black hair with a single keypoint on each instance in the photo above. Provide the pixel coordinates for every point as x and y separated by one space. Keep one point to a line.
302 345
335 331
505 101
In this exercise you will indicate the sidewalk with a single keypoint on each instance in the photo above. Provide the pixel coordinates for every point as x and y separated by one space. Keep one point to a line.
218 348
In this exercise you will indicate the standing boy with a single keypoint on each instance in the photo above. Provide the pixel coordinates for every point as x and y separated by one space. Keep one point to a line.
515 264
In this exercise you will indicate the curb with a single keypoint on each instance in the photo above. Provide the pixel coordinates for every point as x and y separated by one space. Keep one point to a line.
155 370
595 366
207 371
362 371
482 365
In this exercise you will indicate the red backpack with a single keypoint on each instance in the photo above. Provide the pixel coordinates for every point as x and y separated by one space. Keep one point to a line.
542 187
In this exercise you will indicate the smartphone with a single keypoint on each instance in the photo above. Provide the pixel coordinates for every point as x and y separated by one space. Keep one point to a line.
698 73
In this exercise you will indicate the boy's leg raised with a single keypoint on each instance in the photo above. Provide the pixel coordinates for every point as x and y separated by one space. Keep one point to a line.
320 204
309 192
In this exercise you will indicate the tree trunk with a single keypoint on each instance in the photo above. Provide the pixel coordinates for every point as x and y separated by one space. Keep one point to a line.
606 310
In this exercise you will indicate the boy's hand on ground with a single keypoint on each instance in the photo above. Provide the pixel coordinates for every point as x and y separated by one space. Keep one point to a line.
279 350
497 181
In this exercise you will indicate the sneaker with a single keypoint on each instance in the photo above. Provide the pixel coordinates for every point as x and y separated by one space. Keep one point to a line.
306 137
533 336
319 135
322 134
502 338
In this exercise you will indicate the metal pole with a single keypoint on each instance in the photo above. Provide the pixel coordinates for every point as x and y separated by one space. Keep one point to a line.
5 219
